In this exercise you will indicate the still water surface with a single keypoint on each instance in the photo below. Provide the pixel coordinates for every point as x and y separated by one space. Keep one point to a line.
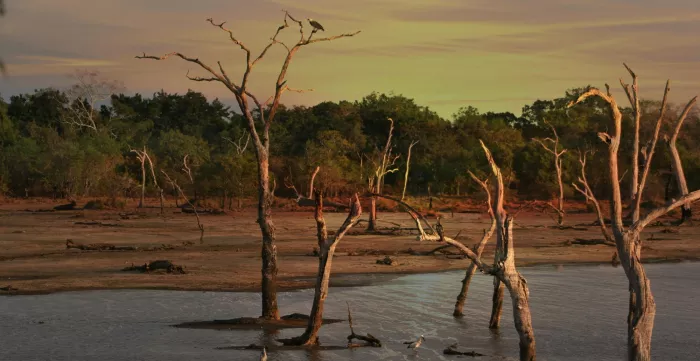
578 314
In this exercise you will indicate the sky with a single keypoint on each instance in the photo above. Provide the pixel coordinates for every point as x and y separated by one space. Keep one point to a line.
495 55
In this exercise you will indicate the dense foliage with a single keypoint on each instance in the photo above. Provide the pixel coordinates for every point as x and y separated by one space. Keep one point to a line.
45 155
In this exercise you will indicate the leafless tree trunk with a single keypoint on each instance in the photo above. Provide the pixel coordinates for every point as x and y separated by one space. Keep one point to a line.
559 208
590 197
628 242
376 181
408 167
142 158
142 155
311 182
633 97
326 248
194 207
677 165
504 266
462 297
261 142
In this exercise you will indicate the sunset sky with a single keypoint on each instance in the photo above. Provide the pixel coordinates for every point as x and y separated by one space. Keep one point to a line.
496 55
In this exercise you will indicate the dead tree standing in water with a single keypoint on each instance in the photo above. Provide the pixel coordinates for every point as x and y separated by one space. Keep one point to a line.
559 208
259 129
628 241
326 249
462 297
677 165
504 266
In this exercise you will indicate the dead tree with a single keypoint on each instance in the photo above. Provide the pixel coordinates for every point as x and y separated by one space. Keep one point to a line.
311 181
326 249
259 130
194 208
677 165
628 241
376 180
462 297
143 157
504 266
587 192
633 97
559 208
90 89
408 167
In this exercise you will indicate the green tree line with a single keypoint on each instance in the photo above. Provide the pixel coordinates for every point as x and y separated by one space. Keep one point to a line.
47 153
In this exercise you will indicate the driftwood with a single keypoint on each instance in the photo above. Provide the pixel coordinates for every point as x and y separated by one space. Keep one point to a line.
368 339
95 223
65 207
160 265
98 246
452 351
387 261
110 247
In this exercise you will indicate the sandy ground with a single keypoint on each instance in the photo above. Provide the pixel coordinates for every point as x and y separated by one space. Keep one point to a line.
34 258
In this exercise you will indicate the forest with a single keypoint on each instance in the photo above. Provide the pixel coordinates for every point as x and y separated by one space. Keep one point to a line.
63 143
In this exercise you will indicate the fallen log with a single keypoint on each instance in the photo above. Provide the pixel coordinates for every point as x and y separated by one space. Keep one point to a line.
160 265
451 350
65 207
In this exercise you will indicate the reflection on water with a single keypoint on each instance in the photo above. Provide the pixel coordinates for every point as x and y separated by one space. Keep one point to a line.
578 314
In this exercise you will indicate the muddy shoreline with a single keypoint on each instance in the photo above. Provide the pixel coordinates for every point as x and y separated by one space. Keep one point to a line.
35 260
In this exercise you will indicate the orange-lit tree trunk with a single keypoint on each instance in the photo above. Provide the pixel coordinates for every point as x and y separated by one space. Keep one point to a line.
628 242
259 130
326 249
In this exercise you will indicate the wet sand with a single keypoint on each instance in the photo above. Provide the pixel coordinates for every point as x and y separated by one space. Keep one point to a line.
34 258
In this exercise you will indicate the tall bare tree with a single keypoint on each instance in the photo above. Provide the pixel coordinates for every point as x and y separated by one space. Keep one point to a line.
326 249
259 123
627 240
408 167
143 157
90 88
462 297
677 165
382 167
632 93
559 208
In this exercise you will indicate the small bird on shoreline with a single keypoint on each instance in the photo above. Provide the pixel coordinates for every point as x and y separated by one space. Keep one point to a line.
416 344
263 355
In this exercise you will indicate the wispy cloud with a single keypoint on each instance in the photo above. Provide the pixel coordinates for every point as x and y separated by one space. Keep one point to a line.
445 53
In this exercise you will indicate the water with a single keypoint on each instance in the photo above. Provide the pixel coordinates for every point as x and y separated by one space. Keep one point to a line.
578 314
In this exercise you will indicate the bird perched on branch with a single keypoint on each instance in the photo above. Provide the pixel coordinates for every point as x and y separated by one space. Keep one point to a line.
315 25
416 344
439 230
